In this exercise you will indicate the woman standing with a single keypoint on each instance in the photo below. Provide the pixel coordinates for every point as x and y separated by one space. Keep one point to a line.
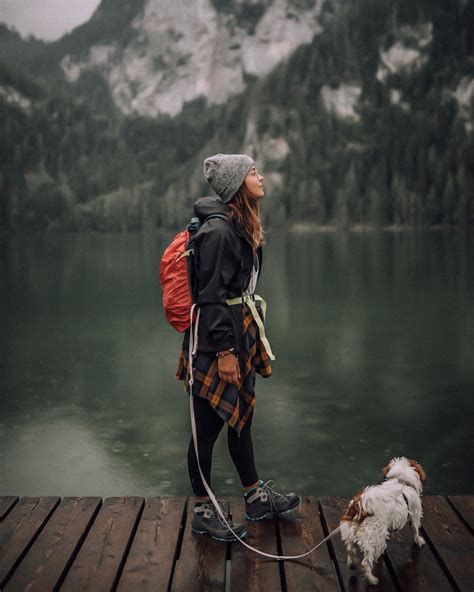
230 351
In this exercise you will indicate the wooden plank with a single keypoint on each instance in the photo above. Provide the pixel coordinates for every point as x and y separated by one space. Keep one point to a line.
39 538
104 549
6 504
201 565
352 579
48 558
19 529
452 542
464 504
300 531
259 573
416 569
150 561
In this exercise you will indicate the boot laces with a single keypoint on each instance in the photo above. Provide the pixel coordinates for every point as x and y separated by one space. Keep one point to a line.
214 512
273 495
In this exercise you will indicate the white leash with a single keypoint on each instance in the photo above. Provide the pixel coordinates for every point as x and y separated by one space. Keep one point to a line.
193 339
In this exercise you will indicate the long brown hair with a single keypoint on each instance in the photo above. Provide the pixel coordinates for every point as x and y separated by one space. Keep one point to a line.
244 208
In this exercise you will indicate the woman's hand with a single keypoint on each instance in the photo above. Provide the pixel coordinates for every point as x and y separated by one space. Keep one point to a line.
229 369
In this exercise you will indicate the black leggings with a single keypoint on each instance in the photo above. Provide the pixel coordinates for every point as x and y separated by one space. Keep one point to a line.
208 427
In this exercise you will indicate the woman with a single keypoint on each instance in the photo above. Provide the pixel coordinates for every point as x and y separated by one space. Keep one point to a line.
230 351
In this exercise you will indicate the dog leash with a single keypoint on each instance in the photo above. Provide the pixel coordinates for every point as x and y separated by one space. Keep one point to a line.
193 339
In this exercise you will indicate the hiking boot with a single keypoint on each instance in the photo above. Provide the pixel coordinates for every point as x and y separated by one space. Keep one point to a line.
206 520
264 502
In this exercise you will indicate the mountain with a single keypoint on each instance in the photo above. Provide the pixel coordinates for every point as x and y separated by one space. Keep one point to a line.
16 51
171 53
367 122
371 123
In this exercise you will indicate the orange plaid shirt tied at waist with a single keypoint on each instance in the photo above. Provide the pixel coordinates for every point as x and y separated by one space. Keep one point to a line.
234 403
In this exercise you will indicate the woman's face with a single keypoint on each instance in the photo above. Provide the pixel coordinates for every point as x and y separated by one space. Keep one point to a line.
254 183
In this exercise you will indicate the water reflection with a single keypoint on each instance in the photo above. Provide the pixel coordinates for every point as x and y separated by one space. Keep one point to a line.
373 335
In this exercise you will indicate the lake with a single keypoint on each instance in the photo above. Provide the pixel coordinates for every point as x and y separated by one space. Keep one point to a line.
373 335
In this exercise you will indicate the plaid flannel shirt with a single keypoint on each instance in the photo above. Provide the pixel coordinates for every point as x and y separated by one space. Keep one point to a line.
233 403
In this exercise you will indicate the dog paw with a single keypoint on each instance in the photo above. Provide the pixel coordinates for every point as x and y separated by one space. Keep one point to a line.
373 581
420 541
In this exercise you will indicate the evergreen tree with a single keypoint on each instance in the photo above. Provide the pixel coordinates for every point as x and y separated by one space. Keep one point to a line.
449 200
346 196
461 214
432 207
376 210
341 212
401 201
317 210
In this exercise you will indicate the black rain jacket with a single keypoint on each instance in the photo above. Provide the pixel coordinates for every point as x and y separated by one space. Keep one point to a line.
223 260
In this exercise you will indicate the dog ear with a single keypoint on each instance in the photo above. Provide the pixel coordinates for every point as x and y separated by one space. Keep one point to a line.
418 468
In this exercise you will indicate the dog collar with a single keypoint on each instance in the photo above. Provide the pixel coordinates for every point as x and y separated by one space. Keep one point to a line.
409 484
404 482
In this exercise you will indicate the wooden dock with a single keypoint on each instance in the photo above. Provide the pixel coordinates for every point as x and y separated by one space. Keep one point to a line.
143 544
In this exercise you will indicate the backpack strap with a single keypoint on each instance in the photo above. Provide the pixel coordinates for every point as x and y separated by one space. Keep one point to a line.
194 226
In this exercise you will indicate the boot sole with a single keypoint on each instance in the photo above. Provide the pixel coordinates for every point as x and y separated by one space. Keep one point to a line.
269 515
242 536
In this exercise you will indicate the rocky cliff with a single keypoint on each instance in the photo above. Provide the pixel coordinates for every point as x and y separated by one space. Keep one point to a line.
178 51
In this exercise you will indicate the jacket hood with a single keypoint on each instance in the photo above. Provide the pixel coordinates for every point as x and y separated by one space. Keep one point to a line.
205 206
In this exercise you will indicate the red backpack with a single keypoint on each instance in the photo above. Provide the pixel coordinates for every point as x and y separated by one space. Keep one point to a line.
176 275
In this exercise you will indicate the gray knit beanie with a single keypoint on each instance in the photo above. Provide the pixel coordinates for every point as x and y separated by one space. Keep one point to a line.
225 173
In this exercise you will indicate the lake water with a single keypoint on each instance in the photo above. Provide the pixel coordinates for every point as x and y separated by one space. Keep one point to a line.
373 334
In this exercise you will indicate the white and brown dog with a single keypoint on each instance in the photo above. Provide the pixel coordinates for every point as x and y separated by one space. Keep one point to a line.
377 509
